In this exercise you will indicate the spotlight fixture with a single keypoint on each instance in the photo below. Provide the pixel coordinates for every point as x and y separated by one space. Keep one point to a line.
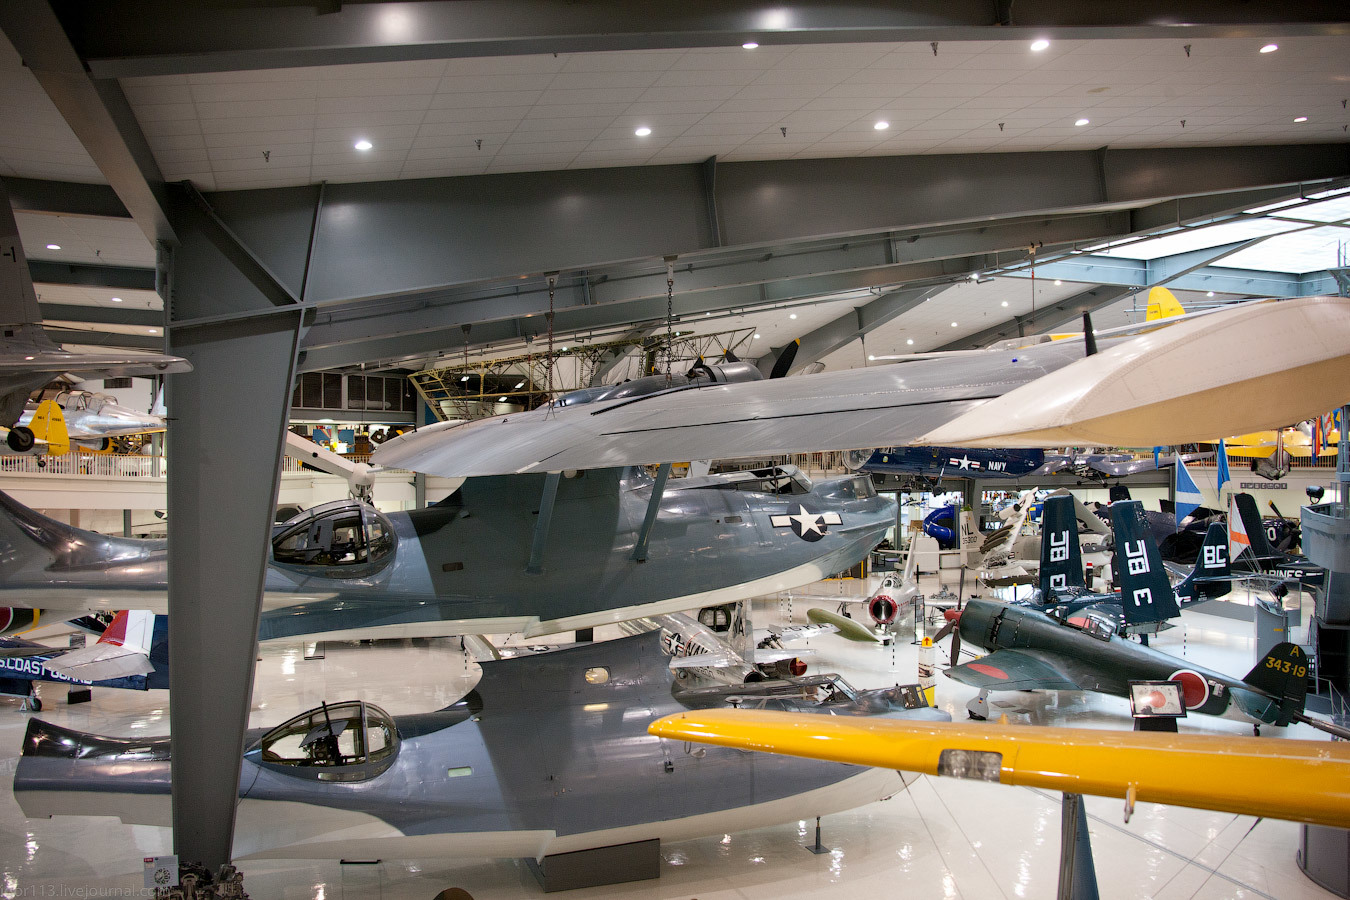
643 131
116 299
1038 45
1081 122
749 45
1301 119
53 246
1270 48
882 125
363 144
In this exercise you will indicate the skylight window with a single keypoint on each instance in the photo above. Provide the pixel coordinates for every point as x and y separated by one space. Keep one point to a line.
1311 250
1197 238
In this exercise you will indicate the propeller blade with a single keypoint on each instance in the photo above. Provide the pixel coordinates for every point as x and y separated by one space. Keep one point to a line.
729 356
956 646
785 358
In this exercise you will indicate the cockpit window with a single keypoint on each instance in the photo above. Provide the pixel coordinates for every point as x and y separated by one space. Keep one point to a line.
1091 624
347 533
345 742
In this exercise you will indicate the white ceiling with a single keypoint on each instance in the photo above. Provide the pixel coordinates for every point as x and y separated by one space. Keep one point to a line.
580 110
84 239
84 295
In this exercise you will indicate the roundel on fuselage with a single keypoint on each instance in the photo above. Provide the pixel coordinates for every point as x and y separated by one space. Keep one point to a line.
1194 687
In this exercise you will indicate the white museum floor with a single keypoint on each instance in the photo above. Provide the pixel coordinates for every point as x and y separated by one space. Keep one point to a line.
941 838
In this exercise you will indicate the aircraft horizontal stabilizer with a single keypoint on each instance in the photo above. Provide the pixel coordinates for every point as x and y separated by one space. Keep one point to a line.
1135 393
100 662
1304 781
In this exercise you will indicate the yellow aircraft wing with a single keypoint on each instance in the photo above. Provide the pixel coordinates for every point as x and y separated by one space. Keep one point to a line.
1304 781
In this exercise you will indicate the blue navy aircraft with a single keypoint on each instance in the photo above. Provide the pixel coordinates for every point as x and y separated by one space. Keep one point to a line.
531 553
548 754
991 464
121 659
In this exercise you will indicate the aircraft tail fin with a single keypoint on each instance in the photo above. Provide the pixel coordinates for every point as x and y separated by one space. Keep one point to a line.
18 300
1162 304
1251 521
1282 676
1145 593
1061 557
122 651
49 425
1211 576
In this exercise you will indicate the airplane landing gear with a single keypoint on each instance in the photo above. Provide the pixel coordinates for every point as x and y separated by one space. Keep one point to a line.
978 708
21 439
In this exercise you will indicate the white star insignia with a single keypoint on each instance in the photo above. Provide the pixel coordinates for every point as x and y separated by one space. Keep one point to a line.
810 522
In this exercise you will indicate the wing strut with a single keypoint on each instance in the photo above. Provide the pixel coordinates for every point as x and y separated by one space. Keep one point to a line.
653 505
536 564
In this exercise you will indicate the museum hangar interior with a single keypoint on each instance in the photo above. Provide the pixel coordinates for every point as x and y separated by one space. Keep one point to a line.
623 240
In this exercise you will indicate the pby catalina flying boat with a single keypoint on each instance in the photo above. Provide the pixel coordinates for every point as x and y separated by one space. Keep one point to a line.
1117 388
29 359
529 553
548 754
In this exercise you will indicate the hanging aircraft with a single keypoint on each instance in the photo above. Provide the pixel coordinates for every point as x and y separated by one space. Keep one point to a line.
990 465
1116 388
548 754
29 359
132 653
94 420
529 553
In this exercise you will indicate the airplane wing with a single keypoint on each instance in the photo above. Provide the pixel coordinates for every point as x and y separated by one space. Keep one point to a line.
714 660
1129 394
1304 781
1015 670
100 662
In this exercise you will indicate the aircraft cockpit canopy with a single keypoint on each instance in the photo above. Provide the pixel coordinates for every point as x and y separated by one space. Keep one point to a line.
787 480
351 741
1092 623
341 533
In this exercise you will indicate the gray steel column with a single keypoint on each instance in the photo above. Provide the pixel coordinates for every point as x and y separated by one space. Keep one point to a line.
221 503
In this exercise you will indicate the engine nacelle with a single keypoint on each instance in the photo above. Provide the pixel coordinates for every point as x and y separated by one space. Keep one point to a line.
13 619
785 668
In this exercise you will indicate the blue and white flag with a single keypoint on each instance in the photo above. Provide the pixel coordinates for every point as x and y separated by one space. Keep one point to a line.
1224 477
1187 493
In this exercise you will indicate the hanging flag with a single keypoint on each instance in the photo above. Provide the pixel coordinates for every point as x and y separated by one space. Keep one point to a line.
1224 477
1238 539
1316 443
1156 453
1187 493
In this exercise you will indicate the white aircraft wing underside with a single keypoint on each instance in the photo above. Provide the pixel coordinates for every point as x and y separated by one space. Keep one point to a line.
1236 370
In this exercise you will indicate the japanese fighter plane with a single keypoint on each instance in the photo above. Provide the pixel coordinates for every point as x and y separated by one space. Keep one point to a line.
529 553
548 754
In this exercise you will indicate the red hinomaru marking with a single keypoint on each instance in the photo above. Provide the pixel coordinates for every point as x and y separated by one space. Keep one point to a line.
1194 688
986 669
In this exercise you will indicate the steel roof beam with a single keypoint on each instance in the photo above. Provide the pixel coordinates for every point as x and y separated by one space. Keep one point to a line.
1135 273
65 198
855 324
160 37
103 315
124 277
97 111
1044 319
97 338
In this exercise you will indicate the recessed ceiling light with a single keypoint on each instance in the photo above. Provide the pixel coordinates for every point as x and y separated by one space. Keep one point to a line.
501 399
363 144
117 299
910 341
792 315
1301 119
53 246
1058 282
1209 293
1081 122
643 131
1005 302
756 337
953 324
749 45
882 125
870 357
1039 45
518 386
707 314
1270 48
154 331
564 350
30 357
